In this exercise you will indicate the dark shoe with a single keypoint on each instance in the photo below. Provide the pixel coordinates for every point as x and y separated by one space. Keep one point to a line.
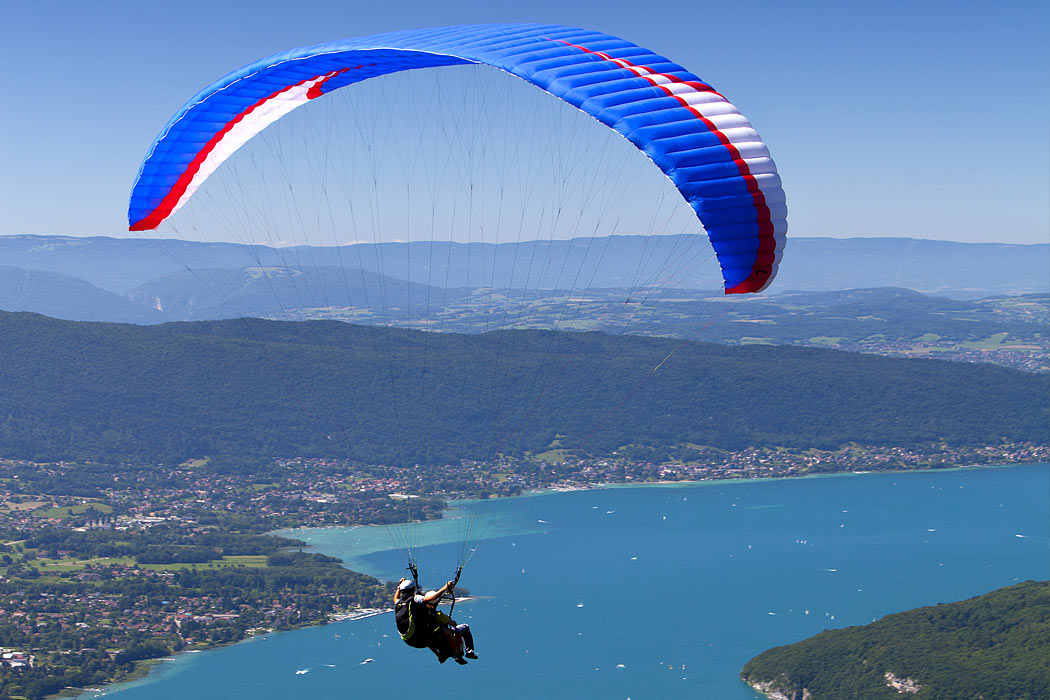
461 661
470 654
442 659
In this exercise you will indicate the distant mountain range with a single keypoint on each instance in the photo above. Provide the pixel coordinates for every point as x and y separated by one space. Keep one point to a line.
64 296
1010 330
959 270
286 292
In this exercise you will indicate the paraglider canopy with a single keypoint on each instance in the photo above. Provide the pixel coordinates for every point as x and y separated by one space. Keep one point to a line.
694 135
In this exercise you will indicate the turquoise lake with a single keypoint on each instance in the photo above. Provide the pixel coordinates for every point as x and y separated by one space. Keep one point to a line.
650 592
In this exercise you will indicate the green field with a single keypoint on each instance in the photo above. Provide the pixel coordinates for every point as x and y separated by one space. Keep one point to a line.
70 511
69 564
55 566
992 342
826 340
254 561
555 456
27 505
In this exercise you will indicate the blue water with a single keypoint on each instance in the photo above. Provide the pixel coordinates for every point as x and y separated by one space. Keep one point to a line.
653 592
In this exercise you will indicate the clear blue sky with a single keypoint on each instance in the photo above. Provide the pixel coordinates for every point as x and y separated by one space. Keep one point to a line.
924 119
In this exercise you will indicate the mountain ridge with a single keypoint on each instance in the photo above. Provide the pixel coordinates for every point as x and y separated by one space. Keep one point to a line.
963 270
399 396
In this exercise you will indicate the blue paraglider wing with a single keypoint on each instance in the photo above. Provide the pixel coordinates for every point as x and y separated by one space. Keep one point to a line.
694 135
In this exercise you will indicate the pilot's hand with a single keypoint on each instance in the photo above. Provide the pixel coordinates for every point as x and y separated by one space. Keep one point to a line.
450 585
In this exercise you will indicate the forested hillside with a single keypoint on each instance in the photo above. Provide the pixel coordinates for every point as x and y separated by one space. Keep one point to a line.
107 391
993 646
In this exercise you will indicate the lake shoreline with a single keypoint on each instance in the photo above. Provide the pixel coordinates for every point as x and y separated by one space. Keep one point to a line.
752 480
356 615
667 483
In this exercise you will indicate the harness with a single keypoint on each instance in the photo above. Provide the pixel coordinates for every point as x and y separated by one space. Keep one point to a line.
415 622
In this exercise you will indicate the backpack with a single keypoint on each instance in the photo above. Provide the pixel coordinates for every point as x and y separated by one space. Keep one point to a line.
415 623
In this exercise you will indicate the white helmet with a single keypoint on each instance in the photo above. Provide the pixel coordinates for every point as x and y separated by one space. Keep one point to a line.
407 585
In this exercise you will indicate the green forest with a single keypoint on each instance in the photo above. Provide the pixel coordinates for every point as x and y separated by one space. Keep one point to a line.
112 392
993 646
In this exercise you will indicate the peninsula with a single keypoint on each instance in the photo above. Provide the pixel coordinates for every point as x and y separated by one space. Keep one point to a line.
993 646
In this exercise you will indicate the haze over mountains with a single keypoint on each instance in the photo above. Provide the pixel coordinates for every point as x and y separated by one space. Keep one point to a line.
64 296
270 292
132 267
657 285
